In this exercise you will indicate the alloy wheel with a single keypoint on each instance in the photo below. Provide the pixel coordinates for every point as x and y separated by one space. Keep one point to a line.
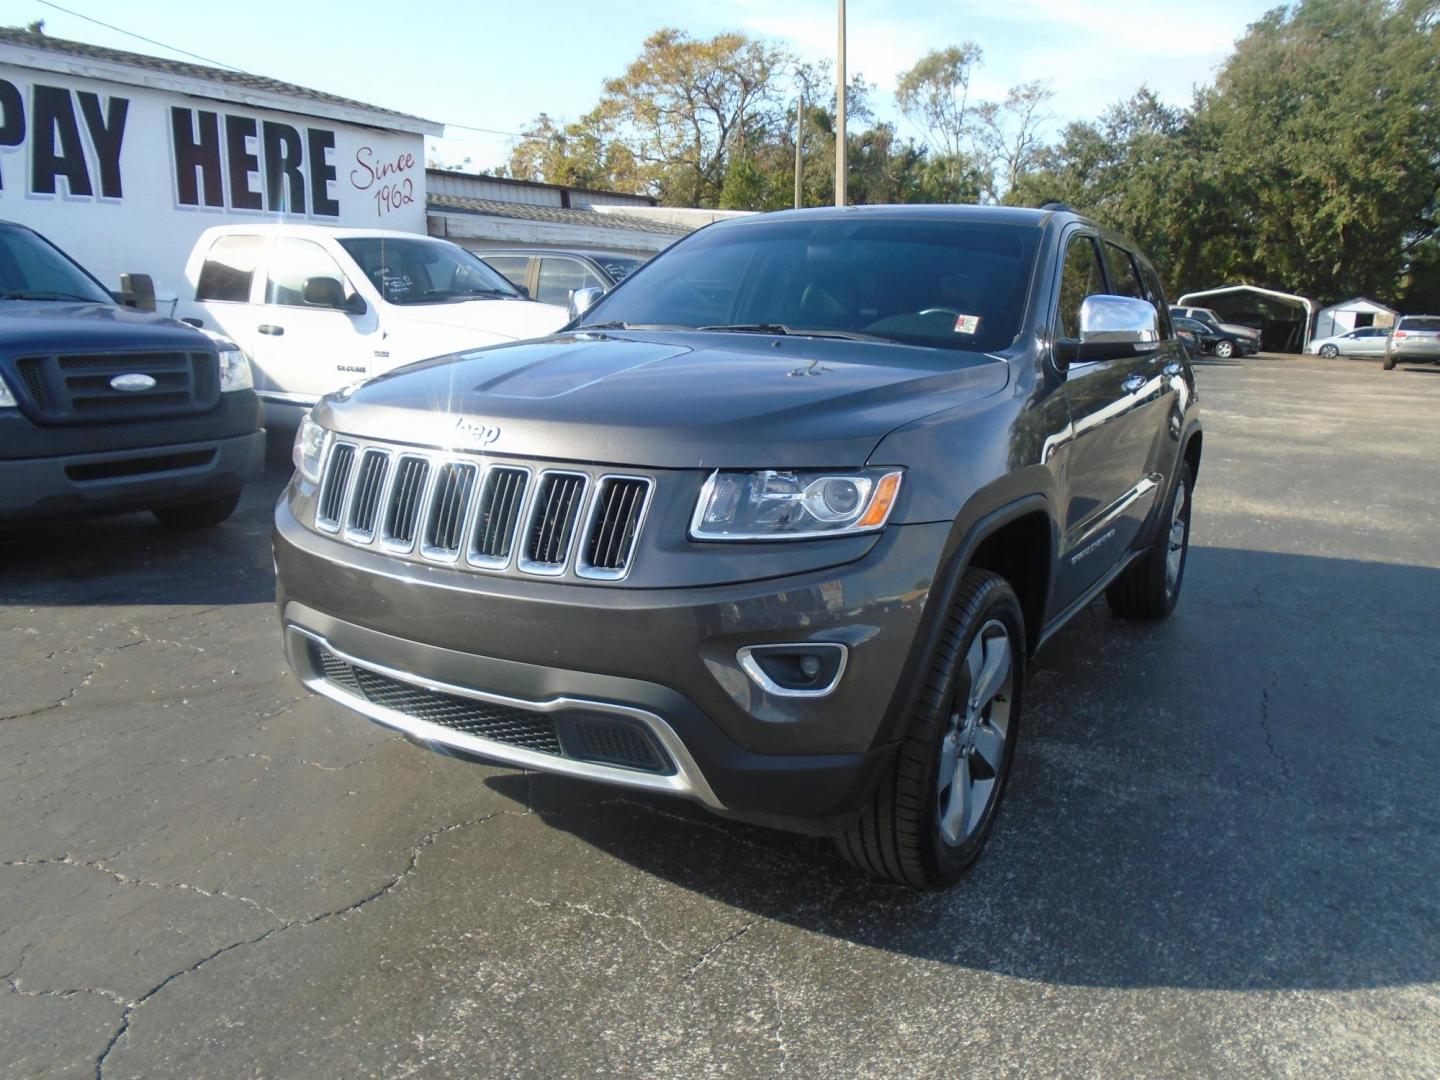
972 751
1175 552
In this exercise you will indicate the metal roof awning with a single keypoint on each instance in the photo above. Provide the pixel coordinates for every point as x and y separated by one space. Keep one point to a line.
1196 299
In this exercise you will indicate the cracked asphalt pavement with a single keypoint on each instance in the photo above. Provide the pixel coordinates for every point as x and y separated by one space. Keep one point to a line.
1219 854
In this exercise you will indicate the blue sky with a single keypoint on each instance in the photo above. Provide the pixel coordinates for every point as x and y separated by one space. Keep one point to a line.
496 65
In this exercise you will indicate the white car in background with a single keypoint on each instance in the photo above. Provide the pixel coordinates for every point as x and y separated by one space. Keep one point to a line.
1366 341
317 308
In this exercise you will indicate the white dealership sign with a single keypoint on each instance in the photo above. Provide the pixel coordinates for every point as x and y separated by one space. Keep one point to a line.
125 176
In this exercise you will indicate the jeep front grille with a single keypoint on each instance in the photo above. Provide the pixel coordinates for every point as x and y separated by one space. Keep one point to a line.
491 517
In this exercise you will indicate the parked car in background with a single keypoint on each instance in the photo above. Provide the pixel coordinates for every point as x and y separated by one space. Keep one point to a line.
775 527
1190 339
1221 343
1366 341
1415 338
104 409
1246 337
551 276
317 308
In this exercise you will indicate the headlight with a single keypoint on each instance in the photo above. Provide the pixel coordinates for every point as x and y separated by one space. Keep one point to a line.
309 449
793 504
234 371
7 399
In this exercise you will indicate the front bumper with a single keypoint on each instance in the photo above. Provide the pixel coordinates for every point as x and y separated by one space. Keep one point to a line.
664 660
119 481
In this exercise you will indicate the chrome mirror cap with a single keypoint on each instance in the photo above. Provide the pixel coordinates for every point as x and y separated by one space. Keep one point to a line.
582 300
1118 320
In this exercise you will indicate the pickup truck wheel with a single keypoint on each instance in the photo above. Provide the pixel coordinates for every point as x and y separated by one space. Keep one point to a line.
1224 349
198 515
1150 585
932 811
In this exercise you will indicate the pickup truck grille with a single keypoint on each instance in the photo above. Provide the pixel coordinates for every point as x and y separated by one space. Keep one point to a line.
486 516
76 388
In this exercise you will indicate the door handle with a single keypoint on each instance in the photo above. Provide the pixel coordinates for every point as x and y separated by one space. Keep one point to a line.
273 331
1172 368
1134 384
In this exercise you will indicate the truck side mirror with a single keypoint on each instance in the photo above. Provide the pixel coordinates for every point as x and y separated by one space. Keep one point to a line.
323 292
1111 327
137 291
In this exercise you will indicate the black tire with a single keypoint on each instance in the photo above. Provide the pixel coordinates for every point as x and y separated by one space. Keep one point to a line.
1147 589
1329 352
899 834
1224 349
198 515
1389 364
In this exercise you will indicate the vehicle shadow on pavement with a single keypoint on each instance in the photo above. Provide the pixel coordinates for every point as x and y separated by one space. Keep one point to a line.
1241 797
130 559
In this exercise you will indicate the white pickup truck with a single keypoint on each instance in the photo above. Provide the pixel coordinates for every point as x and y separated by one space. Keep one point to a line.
317 308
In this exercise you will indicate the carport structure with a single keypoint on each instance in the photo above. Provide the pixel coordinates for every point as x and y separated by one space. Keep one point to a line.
1285 320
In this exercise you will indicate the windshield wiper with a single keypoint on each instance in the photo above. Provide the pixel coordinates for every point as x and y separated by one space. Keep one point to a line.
39 295
791 331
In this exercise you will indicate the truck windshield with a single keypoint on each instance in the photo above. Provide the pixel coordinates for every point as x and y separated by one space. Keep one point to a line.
924 281
409 271
31 268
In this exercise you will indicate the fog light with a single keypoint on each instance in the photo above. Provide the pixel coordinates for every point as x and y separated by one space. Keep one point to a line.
805 669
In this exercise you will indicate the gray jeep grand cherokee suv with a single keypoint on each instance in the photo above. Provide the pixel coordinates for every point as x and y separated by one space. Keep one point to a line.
775 525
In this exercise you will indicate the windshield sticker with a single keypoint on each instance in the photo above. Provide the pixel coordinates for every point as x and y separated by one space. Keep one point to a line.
967 324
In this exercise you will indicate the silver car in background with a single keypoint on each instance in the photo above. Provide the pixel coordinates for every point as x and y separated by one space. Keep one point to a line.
1366 341
1415 338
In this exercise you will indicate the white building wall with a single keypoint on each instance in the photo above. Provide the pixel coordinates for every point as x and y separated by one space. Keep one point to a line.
125 177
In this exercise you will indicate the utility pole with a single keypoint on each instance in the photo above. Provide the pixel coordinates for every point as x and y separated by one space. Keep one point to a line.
840 114
799 139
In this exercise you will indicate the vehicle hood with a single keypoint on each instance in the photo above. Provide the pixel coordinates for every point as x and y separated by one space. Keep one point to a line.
498 320
1240 329
667 400
41 325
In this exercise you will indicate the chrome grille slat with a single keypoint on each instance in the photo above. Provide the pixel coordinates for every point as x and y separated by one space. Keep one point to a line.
439 507
335 486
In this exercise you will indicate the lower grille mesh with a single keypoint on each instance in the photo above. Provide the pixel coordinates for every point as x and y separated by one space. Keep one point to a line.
515 727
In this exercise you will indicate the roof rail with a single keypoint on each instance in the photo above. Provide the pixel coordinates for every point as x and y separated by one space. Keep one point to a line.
1064 208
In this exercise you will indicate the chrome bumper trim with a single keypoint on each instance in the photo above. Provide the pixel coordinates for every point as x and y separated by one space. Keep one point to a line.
687 780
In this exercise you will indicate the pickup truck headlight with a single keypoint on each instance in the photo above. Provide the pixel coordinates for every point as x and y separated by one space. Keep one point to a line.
235 371
309 449
7 398
793 504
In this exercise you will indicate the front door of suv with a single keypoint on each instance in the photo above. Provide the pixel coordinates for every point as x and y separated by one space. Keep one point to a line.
1118 410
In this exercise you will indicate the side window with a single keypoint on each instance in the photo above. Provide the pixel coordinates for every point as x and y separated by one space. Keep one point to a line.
291 263
228 270
513 268
1080 278
560 277
1125 281
1155 293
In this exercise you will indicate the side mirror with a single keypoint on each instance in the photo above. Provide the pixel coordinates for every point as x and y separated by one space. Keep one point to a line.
523 290
323 292
137 291
582 300
1111 327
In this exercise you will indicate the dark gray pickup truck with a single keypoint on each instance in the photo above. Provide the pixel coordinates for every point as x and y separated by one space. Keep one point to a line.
104 409
775 525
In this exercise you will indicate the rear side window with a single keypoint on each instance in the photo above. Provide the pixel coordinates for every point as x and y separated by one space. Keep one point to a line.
1081 277
513 267
229 269
1419 322
1126 280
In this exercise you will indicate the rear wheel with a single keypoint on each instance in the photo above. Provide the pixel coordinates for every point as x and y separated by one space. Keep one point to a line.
1224 349
1149 586
198 515
932 811
1329 351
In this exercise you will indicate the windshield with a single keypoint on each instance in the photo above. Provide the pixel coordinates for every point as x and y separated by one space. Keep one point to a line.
32 268
944 284
408 271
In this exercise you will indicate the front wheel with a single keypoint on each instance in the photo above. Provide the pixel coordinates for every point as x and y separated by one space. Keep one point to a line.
1329 352
198 515
930 814
1224 349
